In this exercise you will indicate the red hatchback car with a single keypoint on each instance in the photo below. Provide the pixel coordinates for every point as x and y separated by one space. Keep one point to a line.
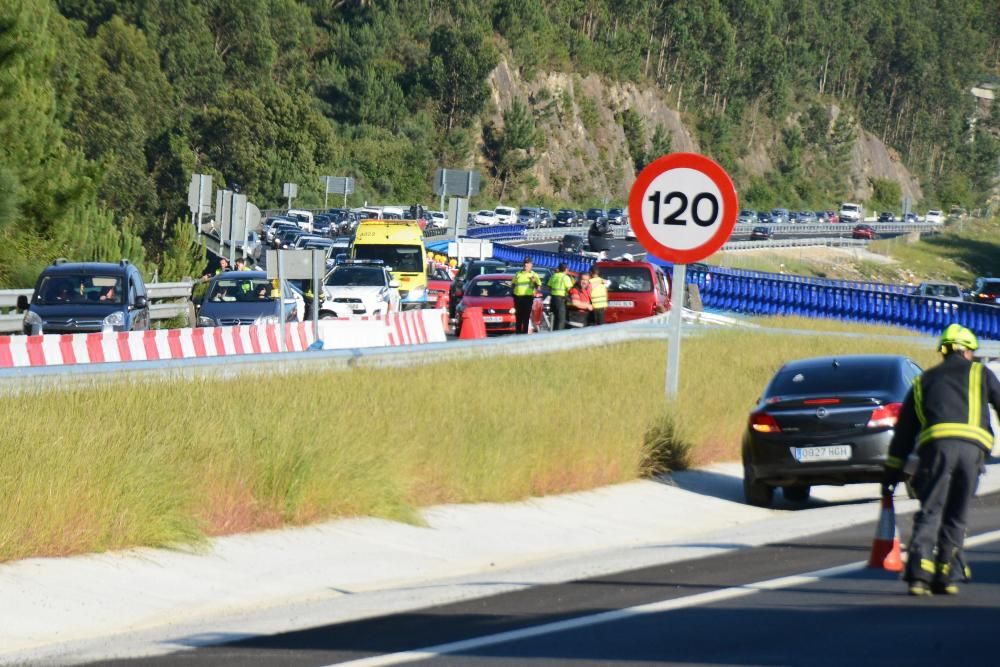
492 292
864 232
636 290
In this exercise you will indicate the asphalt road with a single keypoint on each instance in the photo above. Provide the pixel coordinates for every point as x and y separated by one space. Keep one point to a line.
805 602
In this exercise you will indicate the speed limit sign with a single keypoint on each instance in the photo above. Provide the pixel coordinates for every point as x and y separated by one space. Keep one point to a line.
682 207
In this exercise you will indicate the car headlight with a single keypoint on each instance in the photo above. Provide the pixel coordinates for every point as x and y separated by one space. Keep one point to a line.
32 318
512 311
115 319
204 321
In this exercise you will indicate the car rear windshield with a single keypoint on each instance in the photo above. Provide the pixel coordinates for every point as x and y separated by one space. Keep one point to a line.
489 288
844 377
356 276
241 289
628 279
991 286
406 258
79 289
942 290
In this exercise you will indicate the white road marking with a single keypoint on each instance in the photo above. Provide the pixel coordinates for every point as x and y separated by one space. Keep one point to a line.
629 612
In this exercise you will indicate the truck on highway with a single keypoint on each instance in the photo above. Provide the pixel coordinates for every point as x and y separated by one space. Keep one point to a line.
399 245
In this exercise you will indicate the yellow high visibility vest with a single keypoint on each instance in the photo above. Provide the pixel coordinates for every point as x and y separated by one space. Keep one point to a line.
598 293
524 283
971 430
560 283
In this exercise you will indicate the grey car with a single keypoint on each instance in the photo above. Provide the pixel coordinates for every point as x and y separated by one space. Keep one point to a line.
240 297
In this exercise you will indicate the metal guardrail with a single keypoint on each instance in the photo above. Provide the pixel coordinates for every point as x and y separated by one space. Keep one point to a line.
156 292
795 243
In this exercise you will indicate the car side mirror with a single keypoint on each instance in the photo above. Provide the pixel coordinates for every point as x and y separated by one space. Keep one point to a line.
22 303
141 302
394 284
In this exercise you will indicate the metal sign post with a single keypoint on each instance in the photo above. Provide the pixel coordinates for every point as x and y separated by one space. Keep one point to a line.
290 191
682 208
456 182
281 299
674 329
237 224
199 197
318 266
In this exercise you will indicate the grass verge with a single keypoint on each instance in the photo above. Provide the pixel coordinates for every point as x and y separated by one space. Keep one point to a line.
171 462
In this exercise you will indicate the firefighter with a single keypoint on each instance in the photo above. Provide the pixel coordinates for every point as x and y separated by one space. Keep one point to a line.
946 416
524 284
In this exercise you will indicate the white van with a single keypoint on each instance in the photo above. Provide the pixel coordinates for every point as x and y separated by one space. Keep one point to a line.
851 212
304 218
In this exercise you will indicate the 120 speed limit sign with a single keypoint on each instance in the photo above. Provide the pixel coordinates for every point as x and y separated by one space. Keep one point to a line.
683 207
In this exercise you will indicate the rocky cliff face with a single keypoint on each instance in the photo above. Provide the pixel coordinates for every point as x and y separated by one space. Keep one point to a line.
586 155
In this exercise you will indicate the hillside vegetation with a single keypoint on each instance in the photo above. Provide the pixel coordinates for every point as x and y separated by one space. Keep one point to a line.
108 106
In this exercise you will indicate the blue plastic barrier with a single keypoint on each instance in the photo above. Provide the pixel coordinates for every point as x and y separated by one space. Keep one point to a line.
499 233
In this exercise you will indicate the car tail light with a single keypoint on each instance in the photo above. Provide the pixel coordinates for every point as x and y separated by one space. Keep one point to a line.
764 423
885 415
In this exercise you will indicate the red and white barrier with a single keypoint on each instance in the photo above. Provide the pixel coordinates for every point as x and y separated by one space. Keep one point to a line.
411 327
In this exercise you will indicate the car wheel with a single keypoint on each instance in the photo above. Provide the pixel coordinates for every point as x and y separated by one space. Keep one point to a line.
796 494
755 492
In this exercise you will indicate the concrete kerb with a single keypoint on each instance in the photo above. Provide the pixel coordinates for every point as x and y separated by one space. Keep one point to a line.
150 601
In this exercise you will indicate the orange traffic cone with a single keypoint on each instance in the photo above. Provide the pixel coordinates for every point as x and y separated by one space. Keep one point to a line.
885 546
472 325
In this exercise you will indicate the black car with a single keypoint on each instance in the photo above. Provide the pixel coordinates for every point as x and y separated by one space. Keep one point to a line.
616 216
240 297
72 297
600 236
886 216
595 214
565 217
986 290
826 420
764 218
469 270
760 234
571 244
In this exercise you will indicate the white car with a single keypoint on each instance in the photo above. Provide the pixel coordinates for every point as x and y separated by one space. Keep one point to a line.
485 218
437 218
934 216
505 215
356 289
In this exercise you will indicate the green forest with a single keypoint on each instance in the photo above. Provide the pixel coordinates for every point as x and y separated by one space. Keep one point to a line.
108 106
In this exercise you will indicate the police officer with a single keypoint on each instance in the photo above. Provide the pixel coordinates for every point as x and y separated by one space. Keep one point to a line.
559 286
598 296
946 416
524 284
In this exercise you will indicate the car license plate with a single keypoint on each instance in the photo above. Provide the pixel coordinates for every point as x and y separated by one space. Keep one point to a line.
621 304
492 319
825 453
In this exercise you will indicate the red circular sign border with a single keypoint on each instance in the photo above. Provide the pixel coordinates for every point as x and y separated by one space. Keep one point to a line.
705 165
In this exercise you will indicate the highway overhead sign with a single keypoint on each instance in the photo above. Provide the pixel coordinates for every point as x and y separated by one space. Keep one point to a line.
683 207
